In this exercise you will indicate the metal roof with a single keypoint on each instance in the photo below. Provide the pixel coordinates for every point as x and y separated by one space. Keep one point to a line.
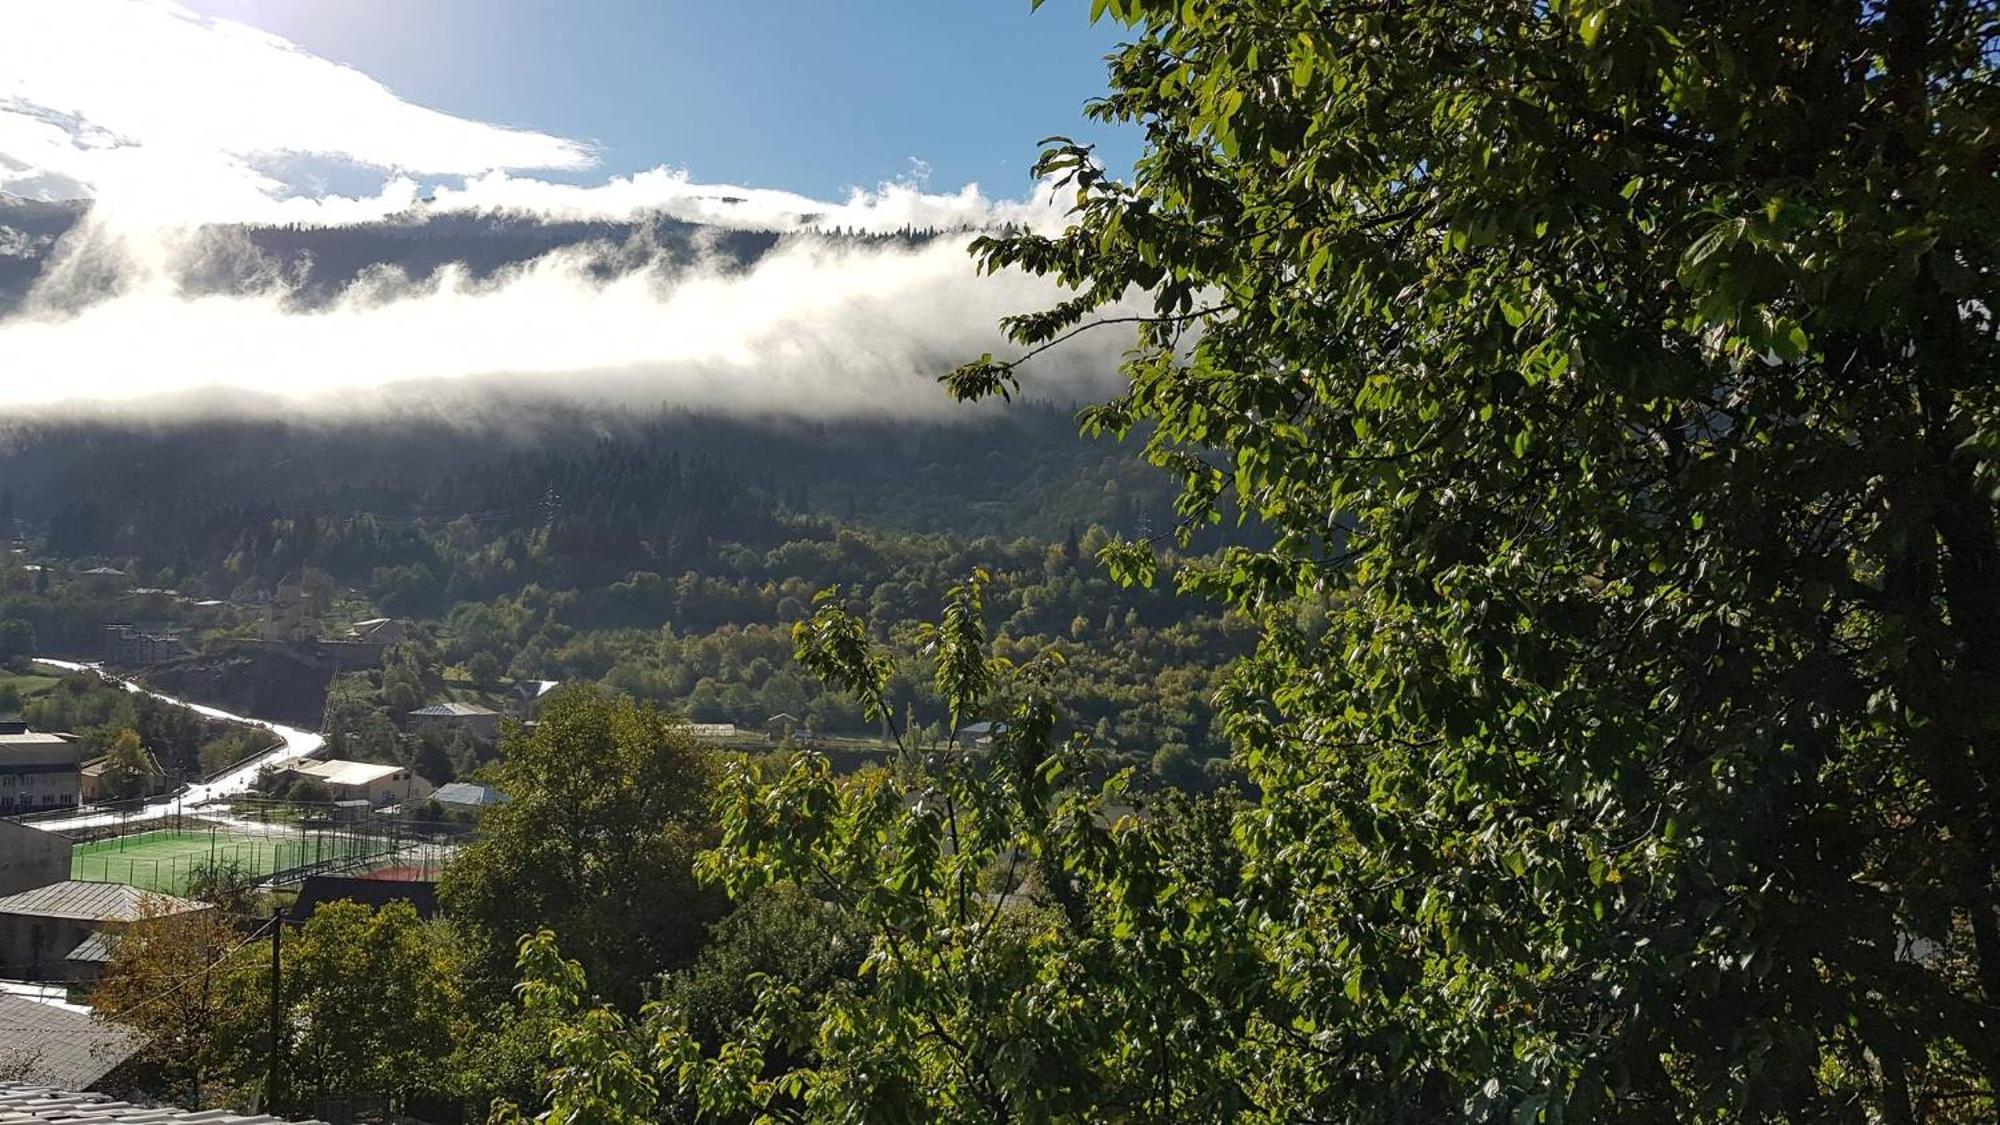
32 738
36 749
58 1047
98 947
453 711
467 793
94 902
340 771
41 1105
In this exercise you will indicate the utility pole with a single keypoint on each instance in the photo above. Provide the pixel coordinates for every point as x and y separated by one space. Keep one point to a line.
273 1092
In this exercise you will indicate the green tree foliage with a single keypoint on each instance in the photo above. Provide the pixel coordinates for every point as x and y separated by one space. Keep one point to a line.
99 712
484 668
1027 949
356 726
17 640
775 939
577 498
167 983
1609 375
1617 367
376 1009
373 1003
126 770
226 883
609 803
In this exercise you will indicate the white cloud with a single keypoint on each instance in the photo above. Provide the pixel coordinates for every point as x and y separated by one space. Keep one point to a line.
169 120
817 327
163 113
888 207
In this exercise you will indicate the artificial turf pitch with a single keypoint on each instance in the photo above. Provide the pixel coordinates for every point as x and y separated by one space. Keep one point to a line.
163 860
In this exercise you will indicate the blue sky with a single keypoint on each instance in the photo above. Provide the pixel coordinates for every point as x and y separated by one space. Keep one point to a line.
812 96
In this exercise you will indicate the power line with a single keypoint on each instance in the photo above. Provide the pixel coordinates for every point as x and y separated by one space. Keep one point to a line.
190 978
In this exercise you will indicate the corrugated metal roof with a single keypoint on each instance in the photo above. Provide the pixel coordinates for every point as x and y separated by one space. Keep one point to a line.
41 1105
58 1047
98 947
94 902
453 710
467 793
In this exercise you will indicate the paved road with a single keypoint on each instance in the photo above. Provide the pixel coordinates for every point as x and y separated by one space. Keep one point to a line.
296 744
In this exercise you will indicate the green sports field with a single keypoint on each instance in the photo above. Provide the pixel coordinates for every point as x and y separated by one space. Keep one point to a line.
162 860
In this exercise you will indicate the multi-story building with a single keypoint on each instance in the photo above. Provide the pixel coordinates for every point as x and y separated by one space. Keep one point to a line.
286 618
37 770
134 645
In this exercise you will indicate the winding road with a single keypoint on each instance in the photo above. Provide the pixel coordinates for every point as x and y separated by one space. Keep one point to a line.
294 744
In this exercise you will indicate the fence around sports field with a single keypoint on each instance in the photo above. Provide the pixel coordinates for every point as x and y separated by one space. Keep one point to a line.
262 845
166 859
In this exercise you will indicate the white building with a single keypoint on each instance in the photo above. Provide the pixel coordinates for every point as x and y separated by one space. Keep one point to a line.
38 770
368 781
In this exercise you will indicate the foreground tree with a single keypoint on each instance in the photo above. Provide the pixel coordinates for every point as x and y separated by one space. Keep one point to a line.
374 1008
1026 948
1626 373
228 885
608 803
167 982
1618 380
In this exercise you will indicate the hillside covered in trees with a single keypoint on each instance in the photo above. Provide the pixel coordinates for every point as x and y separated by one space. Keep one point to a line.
668 556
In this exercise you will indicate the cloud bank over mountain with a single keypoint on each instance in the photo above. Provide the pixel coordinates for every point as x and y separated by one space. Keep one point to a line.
200 144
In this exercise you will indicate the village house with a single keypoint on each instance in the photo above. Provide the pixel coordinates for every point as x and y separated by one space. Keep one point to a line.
373 782
468 796
365 643
384 631
286 617
529 695
38 770
104 579
480 722
320 889
42 926
971 736
91 786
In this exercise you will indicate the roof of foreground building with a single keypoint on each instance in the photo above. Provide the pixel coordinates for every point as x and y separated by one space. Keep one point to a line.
42 1105
83 901
45 1043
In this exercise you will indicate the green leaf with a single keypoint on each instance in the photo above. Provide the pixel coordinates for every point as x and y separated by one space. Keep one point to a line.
1592 26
